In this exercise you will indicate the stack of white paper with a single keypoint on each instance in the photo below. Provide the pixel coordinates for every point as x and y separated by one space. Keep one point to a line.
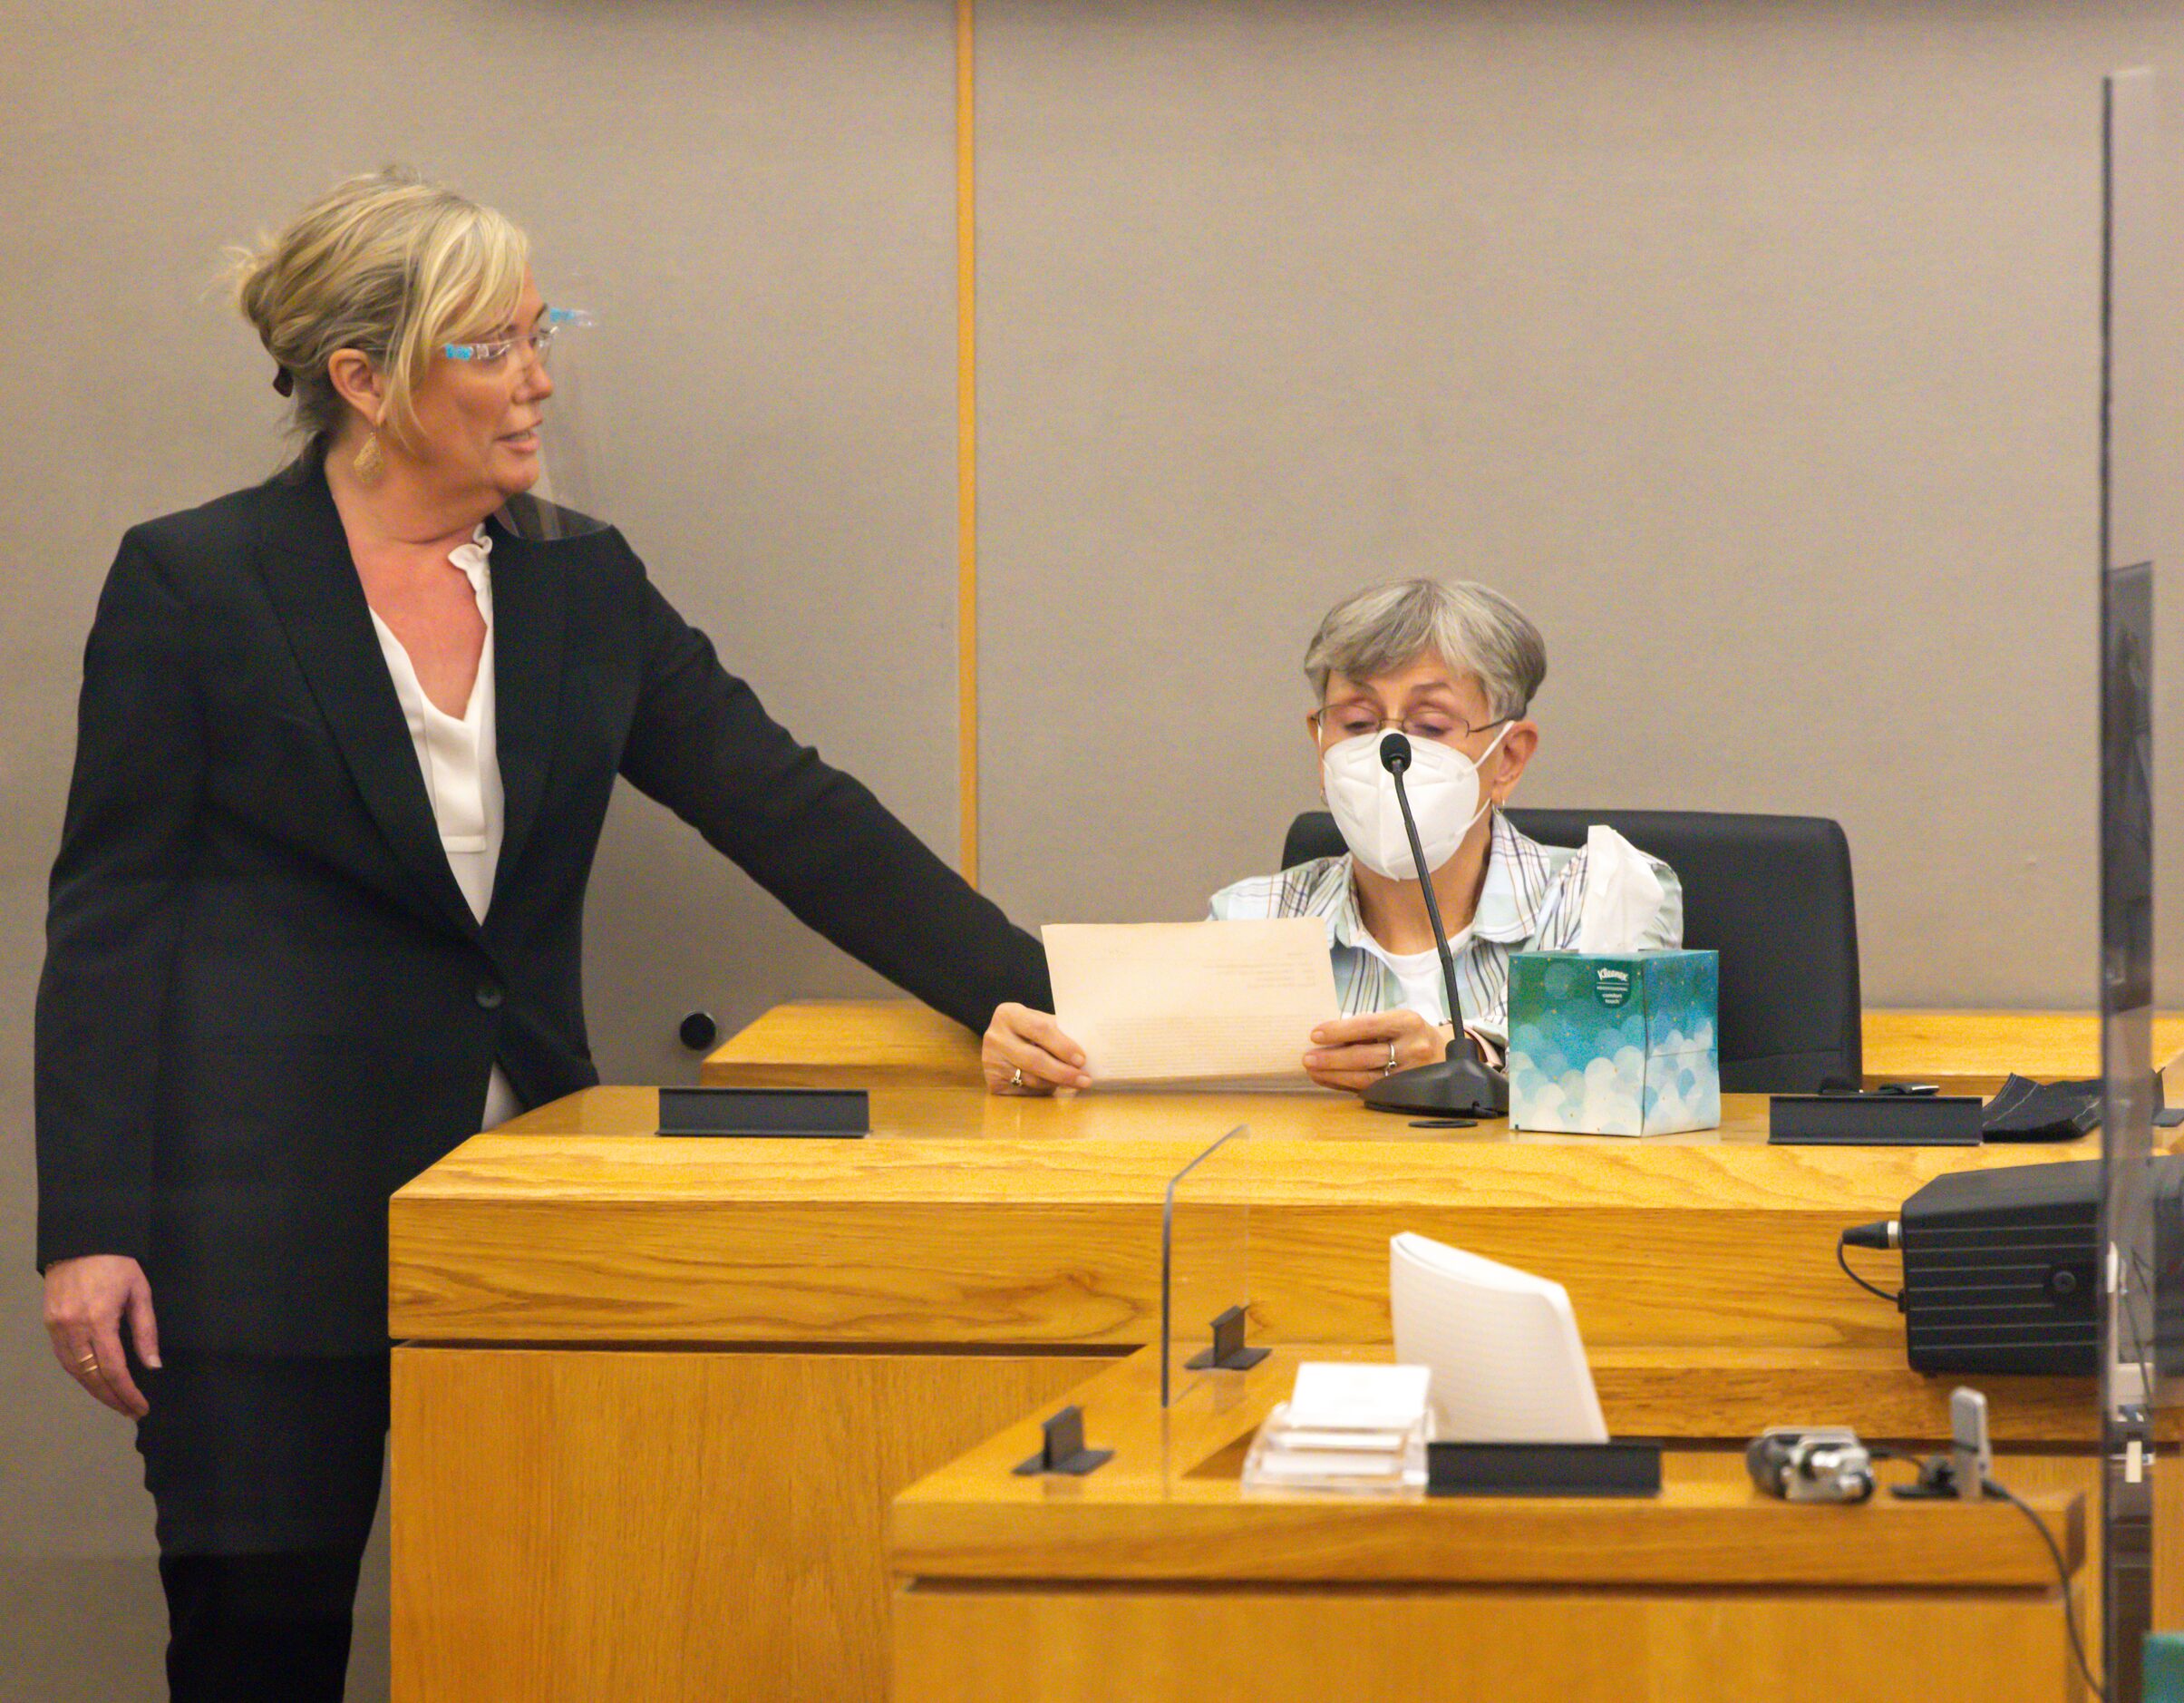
1344 1427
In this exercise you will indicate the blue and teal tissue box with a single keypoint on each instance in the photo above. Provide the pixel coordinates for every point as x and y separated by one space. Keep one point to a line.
1621 1044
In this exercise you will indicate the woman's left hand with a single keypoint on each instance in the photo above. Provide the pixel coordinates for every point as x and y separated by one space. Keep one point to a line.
1025 1052
1354 1053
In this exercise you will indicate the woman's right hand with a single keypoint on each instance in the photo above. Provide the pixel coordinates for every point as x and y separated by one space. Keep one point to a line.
86 1299
1025 1052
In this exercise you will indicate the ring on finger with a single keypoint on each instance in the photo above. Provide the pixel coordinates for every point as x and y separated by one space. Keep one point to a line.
1015 1077
1388 1069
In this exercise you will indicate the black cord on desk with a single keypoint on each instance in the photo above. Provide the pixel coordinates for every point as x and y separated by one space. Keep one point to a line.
1842 1258
2062 1580
1938 1466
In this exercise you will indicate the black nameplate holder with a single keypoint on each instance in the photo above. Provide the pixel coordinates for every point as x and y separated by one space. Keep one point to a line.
1875 1120
1618 1467
841 1113
1230 1352
1062 1449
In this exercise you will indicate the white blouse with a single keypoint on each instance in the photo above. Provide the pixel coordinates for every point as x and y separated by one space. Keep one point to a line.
460 758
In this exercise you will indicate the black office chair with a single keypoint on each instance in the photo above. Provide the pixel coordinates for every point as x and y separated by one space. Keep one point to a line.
1772 894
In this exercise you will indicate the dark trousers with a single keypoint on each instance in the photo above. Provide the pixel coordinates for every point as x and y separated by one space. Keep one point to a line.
265 1471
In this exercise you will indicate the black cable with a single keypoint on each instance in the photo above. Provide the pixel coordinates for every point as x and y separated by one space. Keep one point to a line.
2062 1580
1881 1452
1843 1260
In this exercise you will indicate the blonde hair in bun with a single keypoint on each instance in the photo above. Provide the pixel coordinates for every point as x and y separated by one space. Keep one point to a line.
388 264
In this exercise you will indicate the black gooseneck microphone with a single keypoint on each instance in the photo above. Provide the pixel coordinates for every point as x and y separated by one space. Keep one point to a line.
1464 1085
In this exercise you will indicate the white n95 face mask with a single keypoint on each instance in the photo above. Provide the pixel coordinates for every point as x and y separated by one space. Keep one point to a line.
1442 785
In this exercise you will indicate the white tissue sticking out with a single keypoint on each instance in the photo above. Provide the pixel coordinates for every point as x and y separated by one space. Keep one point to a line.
1622 894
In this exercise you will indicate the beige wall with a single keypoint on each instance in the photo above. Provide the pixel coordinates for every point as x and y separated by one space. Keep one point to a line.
1751 346
1753 349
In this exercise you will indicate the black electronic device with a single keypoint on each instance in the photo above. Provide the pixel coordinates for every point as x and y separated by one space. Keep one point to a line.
1464 1085
840 1112
1810 1464
2002 1266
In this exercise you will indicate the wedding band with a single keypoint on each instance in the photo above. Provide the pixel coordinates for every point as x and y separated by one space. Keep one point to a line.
1391 1064
1015 1077
90 1362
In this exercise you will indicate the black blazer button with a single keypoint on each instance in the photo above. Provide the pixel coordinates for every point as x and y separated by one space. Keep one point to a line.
489 994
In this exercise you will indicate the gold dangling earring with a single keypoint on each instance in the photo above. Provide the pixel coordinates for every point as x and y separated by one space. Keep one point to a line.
371 461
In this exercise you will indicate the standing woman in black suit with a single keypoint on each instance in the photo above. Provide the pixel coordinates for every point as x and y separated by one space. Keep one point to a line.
346 743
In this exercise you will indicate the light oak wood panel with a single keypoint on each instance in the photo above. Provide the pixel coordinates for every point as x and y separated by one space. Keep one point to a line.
970 1219
1169 1507
1513 1647
1170 1122
2046 1046
2043 1431
826 1043
573 1526
894 1042
1027 1231
1731 1393
1157 1577
817 1042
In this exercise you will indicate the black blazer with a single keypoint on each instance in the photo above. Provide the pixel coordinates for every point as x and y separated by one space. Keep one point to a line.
266 1003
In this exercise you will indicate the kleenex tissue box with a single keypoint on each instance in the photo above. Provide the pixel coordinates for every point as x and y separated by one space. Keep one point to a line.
1620 1044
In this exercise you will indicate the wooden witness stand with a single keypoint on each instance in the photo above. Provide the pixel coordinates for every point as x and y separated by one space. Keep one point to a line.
654 1397
1159 1578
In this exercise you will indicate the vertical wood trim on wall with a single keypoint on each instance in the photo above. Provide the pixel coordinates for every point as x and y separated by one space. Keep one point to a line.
966 448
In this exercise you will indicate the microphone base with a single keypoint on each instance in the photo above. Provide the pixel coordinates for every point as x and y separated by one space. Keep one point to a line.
1457 1087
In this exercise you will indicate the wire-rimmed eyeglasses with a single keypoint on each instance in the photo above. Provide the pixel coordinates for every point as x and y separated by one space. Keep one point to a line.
491 351
1334 722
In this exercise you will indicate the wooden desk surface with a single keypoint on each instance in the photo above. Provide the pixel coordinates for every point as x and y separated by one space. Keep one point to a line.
812 1042
1169 1507
597 1318
2046 1046
972 1219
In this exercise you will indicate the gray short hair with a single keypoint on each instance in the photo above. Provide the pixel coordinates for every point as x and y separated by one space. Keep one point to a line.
1472 628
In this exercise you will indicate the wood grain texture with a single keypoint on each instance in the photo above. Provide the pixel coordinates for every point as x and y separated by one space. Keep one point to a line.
831 1043
968 1218
2046 1046
806 1042
573 1526
1306 1646
1157 1577
1169 1507
1731 1393
548 1535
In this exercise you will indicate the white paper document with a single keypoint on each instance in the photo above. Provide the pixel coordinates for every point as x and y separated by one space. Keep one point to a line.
1192 1002
1362 1395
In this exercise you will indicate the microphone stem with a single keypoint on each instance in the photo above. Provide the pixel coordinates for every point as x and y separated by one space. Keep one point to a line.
1441 935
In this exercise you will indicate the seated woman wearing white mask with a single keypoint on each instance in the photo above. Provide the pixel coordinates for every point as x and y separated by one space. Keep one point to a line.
1455 667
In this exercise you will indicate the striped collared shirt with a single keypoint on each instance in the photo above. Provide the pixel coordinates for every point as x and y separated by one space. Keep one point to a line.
1531 901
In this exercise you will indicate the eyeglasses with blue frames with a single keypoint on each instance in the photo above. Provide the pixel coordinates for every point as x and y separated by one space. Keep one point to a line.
1334 722
492 352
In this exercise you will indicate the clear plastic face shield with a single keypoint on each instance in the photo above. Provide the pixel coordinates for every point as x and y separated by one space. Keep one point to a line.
562 343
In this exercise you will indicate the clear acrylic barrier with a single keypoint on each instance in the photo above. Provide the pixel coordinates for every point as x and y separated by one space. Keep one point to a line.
1205 1265
2138 1215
